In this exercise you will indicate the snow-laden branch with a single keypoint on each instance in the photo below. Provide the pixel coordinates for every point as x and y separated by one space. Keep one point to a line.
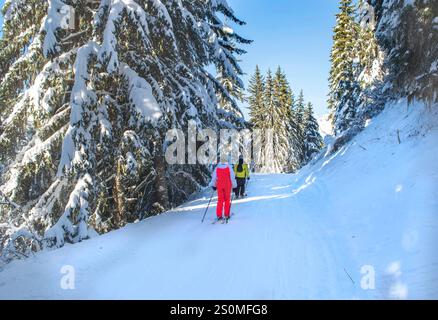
78 201
141 96
108 51
51 24
81 96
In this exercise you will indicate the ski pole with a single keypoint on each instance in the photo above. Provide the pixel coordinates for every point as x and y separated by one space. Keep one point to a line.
209 202
231 204
246 186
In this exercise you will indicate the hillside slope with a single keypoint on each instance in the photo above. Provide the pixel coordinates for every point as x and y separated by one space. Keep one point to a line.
374 203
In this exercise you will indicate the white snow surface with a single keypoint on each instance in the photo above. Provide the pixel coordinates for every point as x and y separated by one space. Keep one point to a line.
325 125
371 206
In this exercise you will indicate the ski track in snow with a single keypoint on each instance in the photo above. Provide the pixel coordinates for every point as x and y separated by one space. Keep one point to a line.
294 237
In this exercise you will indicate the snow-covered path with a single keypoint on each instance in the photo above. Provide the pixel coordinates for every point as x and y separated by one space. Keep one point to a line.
270 250
372 205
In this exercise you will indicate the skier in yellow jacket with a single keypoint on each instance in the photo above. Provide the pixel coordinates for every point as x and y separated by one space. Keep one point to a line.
241 171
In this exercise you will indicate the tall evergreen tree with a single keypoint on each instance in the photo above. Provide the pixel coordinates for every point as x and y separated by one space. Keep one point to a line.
407 32
298 115
367 49
269 98
227 64
257 112
268 164
369 70
84 110
313 140
299 110
256 98
344 87
270 103
281 104
295 137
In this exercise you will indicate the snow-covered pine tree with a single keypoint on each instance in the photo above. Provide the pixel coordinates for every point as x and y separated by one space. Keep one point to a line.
256 101
226 50
234 91
369 70
271 104
290 131
300 107
84 110
269 95
298 121
313 140
295 137
266 163
281 105
344 87
272 120
368 51
257 112
358 97
407 31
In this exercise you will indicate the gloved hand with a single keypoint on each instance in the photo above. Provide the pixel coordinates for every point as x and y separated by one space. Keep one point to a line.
214 188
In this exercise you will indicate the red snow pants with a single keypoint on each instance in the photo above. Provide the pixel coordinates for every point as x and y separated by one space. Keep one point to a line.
224 192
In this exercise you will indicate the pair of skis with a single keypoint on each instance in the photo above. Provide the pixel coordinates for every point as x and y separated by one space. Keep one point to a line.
223 220
226 220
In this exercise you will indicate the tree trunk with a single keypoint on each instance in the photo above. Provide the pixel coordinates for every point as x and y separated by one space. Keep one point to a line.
161 192
119 196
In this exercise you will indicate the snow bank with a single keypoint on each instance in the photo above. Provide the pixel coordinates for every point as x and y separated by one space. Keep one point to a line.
380 196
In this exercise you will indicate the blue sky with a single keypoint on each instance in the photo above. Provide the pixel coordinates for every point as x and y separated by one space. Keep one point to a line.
295 34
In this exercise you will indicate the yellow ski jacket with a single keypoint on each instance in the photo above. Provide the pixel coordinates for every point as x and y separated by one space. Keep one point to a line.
244 173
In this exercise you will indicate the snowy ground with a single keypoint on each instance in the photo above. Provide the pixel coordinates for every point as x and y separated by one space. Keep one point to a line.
325 125
374 204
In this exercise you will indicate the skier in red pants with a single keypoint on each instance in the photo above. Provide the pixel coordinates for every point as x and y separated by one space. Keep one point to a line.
223 181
